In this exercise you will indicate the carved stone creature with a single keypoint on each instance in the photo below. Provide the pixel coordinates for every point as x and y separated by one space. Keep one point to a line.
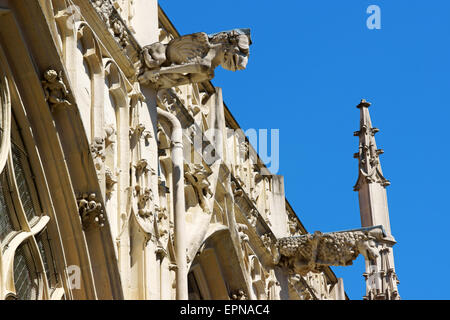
110 181
55 90
98 152
162 225
193 58
312 252
137 130
144 195
141 167
91 210
197 176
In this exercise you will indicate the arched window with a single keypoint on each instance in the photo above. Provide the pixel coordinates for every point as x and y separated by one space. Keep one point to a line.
27 263
23 228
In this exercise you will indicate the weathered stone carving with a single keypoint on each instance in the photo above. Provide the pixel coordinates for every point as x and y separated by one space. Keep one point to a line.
144 195
98 152
55 90
160 252
252 217
103 7
112 19
299 284
244 149
239 295
197 176
147 135
312 252
267 241
237 190
162 188
162 225
110 135
110 181
193 58
141 167
293 224
137 130
242 229
91 211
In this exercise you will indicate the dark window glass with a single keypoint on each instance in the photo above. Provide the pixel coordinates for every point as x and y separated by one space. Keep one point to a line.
24 275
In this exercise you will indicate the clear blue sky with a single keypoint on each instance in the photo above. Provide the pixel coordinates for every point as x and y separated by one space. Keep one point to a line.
311 62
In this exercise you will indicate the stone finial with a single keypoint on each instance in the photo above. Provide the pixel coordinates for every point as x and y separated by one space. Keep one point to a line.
193 58
363 104
368 155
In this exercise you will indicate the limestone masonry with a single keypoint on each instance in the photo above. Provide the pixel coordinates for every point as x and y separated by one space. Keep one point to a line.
123 175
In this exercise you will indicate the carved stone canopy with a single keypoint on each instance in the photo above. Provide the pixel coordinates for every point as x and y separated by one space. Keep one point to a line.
193 58
312 252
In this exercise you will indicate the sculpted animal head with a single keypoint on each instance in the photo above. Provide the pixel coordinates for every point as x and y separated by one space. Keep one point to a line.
368 249
236 47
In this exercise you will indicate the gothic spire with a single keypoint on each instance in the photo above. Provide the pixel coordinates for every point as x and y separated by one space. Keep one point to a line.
368 155
381 279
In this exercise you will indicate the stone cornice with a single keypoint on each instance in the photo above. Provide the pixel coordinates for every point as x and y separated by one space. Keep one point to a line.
124 53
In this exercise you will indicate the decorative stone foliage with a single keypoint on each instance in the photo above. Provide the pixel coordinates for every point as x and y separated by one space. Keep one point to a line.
91 211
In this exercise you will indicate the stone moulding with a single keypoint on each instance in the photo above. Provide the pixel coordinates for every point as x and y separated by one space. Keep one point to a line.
312 252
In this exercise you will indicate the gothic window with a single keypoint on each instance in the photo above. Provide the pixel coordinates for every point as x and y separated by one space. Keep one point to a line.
26 247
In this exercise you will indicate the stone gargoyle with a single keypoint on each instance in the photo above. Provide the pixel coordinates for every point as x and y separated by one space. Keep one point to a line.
193 58
312 252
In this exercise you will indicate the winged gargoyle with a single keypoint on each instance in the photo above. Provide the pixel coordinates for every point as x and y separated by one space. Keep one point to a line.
193 58
312 252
